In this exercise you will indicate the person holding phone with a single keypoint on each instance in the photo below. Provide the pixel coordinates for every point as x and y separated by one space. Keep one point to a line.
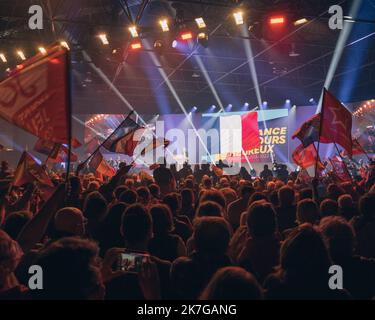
138 270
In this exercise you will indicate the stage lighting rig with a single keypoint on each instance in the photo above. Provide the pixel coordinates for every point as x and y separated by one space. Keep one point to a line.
21 54
159 47
42 50
200 23
300 22
103 38
136 45
164 25
238 17
186 35
277 20
133 31
202 39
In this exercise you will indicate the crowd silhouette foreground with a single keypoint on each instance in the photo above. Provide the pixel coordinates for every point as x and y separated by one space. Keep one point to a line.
201 236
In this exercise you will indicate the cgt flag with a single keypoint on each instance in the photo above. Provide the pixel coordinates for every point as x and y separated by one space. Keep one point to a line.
100 165
305 157
336 126
34 96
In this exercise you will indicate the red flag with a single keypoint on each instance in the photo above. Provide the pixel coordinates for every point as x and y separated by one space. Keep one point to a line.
304 176
100 165
34 96
340 169
29 171
308 133
127 143
356 150
250 131
305 157
122 140
75 143
48 148
154 144
336 126
92 145
62 155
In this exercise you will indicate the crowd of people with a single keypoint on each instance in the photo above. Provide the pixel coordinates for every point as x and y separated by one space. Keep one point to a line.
202 235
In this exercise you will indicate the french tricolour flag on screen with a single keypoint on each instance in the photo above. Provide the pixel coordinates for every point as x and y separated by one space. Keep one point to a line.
239 133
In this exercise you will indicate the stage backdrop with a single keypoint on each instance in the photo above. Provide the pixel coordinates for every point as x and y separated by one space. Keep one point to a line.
202 137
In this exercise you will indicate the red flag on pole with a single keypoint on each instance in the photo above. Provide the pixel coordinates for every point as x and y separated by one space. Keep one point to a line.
305 157
154 144
340 170
48 148
100 165
356 150
34 96
75 143
29 171
336 126
62 155
308 133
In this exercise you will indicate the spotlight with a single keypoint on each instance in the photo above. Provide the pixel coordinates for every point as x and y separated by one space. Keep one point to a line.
174 43
42 50
21 54
203 39
245 106
186 36
64 44
213 107
133 31
103 38
300 21
280 20
164 25
200 23
287 101
136 45
3 58
229 107
265 103
159 47
238 17
312 100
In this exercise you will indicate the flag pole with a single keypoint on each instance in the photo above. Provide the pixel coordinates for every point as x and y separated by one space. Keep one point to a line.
69 112
106 139
363 149
320 133
345 166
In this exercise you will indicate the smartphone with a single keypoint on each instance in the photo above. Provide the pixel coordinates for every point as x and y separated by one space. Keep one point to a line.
132 261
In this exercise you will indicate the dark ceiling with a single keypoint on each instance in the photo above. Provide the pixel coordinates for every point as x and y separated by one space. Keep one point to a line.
147 79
